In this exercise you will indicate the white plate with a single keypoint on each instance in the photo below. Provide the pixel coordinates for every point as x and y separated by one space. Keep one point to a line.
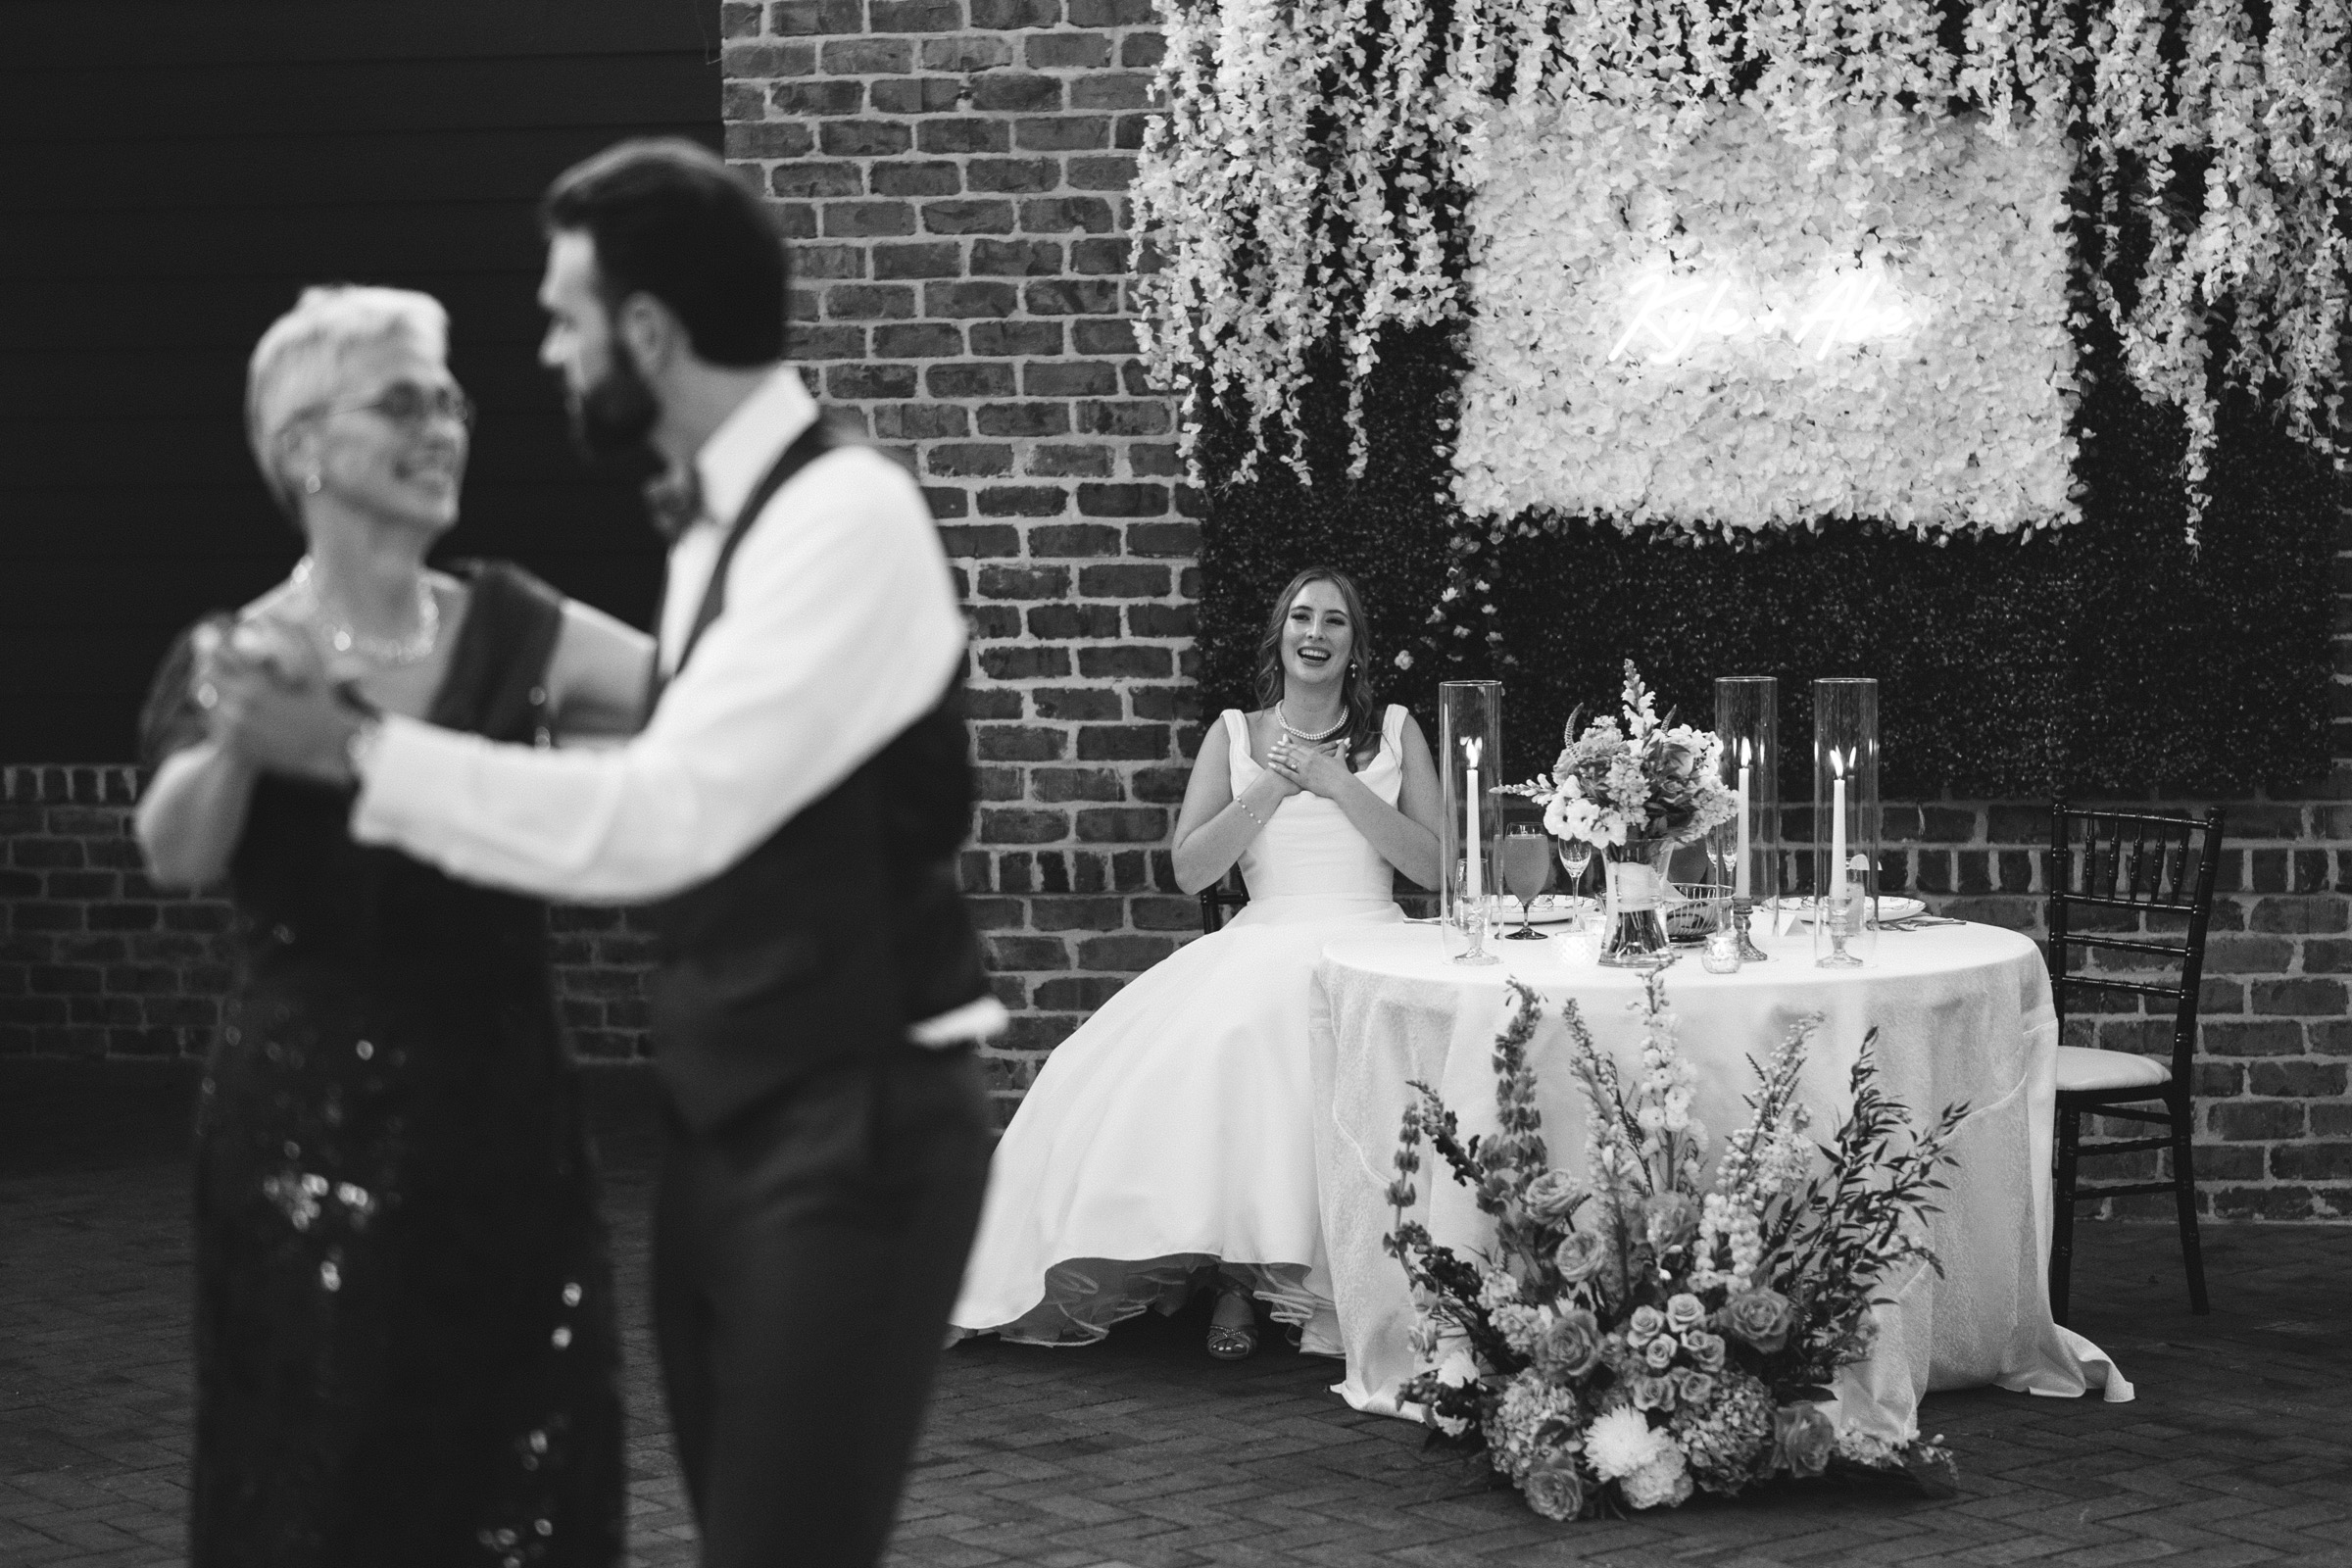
1550 908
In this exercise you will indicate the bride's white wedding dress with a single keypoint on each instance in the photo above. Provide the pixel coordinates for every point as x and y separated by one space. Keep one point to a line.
1173 1131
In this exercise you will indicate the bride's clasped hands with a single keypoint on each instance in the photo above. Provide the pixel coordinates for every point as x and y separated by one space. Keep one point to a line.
1311 770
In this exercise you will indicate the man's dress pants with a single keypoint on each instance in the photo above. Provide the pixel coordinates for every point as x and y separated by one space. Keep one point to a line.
805 1256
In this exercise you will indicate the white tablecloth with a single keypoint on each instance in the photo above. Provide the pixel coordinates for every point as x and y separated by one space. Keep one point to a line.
1962 1014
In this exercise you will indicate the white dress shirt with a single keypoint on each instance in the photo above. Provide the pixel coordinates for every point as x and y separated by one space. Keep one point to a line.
841 628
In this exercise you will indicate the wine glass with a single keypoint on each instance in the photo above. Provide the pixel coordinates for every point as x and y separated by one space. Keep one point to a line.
1575 856
1526 868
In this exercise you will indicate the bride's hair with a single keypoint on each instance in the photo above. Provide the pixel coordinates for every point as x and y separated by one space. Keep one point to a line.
1357 692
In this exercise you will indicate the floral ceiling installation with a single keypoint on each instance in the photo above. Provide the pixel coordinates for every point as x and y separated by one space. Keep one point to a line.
1725 343
1303 191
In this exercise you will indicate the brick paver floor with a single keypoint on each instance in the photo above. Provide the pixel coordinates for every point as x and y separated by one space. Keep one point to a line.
1142 1452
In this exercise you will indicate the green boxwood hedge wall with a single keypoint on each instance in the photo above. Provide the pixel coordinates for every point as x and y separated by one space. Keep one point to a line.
2104 659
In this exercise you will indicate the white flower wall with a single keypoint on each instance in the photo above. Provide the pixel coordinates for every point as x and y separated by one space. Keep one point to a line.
1717 339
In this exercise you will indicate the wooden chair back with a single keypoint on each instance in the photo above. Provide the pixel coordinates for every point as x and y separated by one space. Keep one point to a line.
1222 898
2135 864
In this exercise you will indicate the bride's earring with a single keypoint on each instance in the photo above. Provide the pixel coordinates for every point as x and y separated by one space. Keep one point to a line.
310 486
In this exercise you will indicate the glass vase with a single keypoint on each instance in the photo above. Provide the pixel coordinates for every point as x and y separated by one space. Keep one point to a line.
1846 820
1469 815
1632 932
1748 718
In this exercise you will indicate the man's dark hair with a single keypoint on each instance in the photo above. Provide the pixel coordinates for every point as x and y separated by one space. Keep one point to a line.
671 221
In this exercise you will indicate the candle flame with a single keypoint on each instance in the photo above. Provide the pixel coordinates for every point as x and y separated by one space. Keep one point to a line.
1472 749
1836 762
1745 752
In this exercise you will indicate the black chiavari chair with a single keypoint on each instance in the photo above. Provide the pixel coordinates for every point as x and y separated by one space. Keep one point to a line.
2139 885
1220 898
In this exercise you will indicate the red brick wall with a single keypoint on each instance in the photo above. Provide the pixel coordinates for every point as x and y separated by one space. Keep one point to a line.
953 173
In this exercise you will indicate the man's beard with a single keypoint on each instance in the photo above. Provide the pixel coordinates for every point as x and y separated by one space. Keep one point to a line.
611 418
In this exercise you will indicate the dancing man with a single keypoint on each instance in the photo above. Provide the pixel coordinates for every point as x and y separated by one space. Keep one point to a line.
789 809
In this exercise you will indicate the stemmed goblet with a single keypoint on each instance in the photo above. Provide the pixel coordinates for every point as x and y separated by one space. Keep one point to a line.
1526 868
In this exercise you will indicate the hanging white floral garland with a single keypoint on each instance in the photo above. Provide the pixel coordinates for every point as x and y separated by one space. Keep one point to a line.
1289 194
2272 124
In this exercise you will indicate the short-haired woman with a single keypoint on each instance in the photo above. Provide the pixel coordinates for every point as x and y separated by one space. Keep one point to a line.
1169 1142
406 1348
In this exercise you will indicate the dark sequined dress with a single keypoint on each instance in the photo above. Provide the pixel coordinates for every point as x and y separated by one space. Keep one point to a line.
406 1346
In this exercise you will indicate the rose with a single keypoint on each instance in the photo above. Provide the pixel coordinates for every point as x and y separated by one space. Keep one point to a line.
1652 1392
1685 1312
1760 1317
1659 1353
1552 1195
1554 1487
1580 1256
1571 1345
1646 1324
1693 1387
1802 1435
1705 1350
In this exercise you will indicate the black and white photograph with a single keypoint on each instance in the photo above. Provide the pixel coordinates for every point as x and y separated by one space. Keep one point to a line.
1149 783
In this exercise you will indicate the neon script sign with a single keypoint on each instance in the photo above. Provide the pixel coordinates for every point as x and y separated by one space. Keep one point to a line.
1668 313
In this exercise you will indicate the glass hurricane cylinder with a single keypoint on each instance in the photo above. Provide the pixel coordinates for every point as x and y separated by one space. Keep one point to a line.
1469 815
1845 818
1748 717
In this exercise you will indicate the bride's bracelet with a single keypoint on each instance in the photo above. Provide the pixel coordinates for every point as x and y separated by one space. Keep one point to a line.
1251 815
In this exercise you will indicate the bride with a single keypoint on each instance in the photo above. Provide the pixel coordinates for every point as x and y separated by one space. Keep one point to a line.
1170 1139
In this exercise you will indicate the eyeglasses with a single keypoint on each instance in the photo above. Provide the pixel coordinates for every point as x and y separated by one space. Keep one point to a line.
410 405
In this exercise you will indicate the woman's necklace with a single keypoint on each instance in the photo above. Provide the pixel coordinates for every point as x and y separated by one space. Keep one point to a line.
1300 735
409 650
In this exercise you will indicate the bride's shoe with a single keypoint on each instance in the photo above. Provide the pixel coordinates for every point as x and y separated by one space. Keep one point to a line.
1230 1340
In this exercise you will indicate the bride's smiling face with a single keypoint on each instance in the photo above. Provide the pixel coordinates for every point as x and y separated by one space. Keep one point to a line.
1317 637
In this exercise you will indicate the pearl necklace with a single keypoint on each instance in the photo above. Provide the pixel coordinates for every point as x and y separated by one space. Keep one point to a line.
1297 734
340 636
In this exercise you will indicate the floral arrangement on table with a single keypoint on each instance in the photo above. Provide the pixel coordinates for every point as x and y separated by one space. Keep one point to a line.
1644 1331
1645 780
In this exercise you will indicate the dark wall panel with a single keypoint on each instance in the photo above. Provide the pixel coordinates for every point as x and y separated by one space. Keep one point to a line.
170 175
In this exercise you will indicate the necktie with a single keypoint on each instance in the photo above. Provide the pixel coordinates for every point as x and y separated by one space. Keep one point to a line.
673 500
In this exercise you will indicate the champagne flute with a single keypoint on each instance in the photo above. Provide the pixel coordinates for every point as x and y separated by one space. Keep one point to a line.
1526 869
1722 860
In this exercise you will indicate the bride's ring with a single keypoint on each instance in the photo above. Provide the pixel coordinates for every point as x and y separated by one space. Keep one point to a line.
207 696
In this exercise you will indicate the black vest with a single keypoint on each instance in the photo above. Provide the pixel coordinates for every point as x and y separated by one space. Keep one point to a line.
821 945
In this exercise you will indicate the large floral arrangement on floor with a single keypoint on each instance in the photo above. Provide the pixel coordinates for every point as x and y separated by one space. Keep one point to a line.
1644 778
1643 1330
